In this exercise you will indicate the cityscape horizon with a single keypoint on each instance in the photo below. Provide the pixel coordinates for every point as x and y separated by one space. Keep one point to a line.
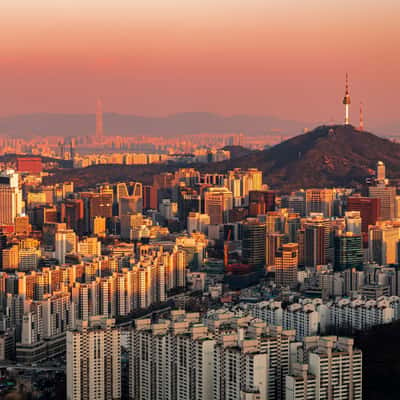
199 200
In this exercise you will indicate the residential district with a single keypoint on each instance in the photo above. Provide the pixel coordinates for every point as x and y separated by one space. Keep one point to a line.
199 286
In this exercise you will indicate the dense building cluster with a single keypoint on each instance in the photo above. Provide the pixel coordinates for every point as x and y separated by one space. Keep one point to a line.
77 264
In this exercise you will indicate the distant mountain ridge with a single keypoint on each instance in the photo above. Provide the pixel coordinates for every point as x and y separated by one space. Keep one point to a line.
43 124
328 156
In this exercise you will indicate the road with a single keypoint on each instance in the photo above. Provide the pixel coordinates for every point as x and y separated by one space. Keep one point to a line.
31 368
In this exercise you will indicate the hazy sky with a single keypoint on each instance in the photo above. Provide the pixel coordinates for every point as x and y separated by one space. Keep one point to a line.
286 58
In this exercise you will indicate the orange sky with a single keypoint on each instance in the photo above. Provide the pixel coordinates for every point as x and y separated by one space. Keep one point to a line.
285 58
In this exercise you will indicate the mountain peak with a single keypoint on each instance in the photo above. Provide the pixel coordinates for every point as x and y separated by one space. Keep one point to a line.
327 156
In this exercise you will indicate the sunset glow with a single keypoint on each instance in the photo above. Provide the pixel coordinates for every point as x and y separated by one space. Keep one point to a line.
285 58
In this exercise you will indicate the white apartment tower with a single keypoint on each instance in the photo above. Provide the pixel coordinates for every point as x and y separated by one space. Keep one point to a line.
94 361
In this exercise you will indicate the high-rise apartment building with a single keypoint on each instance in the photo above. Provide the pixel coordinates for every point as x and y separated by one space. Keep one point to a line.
337 367
94 361
65 242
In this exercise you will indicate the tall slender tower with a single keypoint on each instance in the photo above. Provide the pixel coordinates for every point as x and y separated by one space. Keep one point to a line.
99 119
361 127
346 101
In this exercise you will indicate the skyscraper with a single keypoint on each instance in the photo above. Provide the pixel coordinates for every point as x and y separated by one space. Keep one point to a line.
217 202
253 245
348 251
99 119
10 197
369 209
286 262
319 201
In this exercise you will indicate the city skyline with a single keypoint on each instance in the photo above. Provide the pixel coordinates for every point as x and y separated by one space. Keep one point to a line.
170 57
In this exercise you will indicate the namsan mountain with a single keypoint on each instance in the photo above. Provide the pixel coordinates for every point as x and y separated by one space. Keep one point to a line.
337 155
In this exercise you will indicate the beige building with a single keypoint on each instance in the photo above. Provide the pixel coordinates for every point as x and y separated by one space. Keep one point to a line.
94 361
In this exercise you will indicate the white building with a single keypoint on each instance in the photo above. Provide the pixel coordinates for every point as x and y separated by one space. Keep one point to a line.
94 361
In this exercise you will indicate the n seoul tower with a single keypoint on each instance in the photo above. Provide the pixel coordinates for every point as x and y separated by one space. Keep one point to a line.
346 101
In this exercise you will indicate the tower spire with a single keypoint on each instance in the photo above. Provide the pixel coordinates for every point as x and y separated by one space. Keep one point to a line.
99 119
346 101
361 127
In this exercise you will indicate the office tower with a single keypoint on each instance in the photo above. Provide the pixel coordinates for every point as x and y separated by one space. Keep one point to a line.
261 201
353 222
150 198
217 203
189 201
369 209
99 119
387 197
337 367
275 221
292 227
315 250
99 226
316 241
383 244
96 205
320 201
94 360
3 245
10 197
65 242
197 222
253 243
346 101
241 182
72 213
273 241
129 223
286 263
348 251
130 205
295 202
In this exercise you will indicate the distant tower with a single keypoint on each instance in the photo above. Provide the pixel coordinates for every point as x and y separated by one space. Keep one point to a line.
361 127
346 101
99 119
380 172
